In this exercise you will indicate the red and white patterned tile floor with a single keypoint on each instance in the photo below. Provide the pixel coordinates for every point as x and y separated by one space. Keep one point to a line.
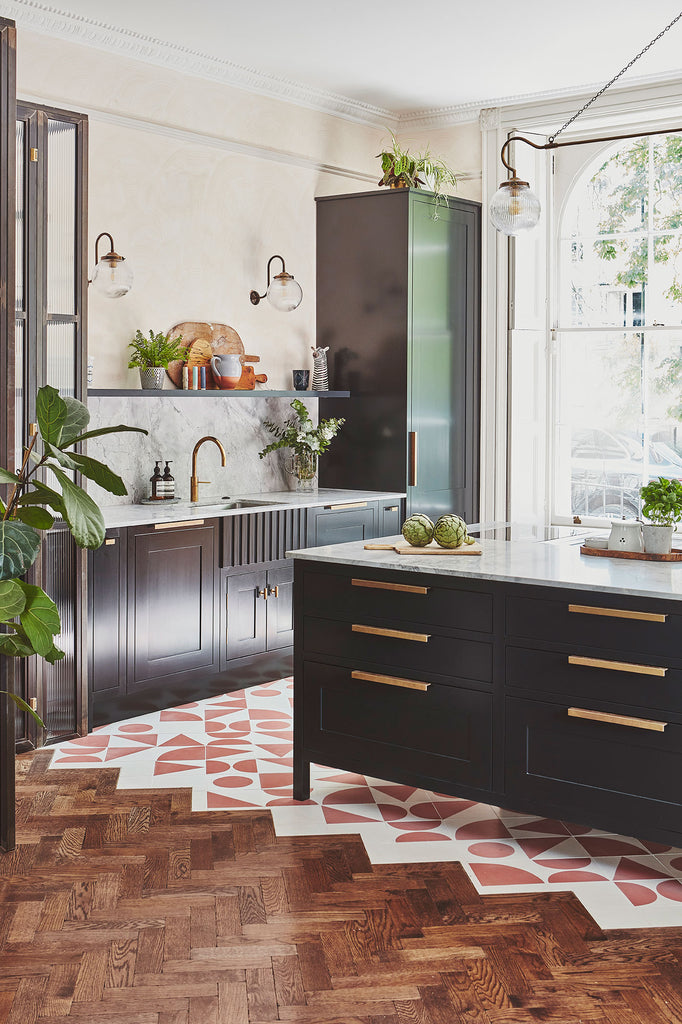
236 751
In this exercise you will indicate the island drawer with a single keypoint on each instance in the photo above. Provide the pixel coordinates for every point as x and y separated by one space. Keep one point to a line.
625 770
412 598
644 682
441 732
588 620
394 645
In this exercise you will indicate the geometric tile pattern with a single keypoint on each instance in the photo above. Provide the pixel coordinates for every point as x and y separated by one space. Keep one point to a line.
235 751
127 907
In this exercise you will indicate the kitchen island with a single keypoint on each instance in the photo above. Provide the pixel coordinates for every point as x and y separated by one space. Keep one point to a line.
529 677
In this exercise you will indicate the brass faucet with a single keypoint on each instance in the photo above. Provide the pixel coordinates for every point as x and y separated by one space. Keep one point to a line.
194 482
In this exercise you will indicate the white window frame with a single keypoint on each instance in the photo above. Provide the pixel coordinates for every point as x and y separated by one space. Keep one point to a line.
620 110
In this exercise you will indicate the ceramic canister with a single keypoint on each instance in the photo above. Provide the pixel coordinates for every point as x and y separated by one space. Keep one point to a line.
626 535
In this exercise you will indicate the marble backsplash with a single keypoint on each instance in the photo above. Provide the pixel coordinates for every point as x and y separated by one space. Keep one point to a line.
175 425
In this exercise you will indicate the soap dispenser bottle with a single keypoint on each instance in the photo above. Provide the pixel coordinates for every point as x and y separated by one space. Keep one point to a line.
157 483
168 484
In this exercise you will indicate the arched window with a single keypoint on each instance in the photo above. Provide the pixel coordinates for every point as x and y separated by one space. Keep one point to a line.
618 371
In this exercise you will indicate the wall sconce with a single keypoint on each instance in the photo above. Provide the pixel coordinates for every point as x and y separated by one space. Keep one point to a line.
111 277
282 292
514 207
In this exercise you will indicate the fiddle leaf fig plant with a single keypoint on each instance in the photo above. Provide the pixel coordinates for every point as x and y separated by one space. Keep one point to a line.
662 501
29 619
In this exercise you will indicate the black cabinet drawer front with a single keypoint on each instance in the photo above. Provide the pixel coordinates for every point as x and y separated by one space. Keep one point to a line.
412 599
413 649
550 753
443 732
587 620
644 683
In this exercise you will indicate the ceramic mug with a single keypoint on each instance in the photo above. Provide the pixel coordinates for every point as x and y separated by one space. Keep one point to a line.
301 379
227 370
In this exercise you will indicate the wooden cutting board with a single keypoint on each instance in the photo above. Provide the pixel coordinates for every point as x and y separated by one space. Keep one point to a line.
202 341
430 549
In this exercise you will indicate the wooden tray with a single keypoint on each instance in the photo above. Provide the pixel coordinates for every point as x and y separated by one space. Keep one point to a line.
644 556
430 549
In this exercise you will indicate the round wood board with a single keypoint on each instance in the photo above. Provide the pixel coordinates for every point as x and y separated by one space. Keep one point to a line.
208 339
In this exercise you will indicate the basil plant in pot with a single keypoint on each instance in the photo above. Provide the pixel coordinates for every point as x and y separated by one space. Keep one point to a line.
152 355
662 506
29 619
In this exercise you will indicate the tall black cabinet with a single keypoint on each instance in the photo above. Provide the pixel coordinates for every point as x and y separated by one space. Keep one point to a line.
398 304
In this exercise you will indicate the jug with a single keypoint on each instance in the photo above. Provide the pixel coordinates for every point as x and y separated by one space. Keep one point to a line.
227 370
626 535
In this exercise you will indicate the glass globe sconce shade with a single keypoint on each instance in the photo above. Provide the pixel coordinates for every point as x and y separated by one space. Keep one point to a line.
514 207
111 277
282 292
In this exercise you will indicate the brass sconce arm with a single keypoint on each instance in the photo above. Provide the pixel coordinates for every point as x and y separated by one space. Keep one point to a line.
253 295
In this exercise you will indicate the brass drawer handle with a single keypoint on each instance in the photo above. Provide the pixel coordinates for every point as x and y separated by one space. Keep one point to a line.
617 666
273 591
348 504
404 588
396 634
413 459
109 541
175 526
262 593
631 723
373 677
390 508
617 613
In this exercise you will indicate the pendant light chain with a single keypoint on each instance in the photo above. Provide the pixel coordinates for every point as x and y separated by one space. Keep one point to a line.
615 78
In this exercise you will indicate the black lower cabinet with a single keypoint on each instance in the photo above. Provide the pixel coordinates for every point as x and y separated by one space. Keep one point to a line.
258 612
107 596
171 601
601 771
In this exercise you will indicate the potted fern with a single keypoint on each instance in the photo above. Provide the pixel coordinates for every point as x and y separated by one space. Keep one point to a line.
662 506
402 169
152 355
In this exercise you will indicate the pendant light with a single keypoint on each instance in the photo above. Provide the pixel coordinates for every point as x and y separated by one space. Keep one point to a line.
515 207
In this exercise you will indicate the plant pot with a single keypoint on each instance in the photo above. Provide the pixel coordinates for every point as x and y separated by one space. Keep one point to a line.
151 378
658 540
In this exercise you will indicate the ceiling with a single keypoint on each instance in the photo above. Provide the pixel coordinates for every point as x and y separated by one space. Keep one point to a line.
400 58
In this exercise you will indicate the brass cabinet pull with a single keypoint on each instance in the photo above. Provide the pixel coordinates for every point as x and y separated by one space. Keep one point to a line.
407 684
390 508
616 666
413 458
396 634
262 593
175 526
348 504
631 723
404 588
110 540
273 591
616 613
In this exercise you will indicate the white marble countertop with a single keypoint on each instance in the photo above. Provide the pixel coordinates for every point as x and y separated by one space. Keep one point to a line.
543 563
119 516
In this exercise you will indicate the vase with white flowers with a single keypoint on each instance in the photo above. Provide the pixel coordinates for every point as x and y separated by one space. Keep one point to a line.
306 441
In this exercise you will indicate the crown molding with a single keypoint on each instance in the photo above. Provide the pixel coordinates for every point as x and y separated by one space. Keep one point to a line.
47 20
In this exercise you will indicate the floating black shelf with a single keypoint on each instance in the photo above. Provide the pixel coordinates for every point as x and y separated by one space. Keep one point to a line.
179 393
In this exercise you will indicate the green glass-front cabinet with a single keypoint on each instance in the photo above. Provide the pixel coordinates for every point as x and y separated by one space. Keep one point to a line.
398 304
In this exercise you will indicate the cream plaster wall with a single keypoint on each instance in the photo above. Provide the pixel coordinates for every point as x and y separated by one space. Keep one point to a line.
200 183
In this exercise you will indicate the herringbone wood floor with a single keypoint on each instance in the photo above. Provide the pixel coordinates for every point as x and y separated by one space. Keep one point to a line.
124 907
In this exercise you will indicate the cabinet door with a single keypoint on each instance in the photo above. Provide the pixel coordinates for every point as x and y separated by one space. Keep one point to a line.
280 618
246 614
171 602
335 526
107 572
444 361
390 518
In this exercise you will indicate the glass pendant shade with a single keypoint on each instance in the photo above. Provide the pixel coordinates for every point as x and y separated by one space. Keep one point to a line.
112 278
284 293
514 207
